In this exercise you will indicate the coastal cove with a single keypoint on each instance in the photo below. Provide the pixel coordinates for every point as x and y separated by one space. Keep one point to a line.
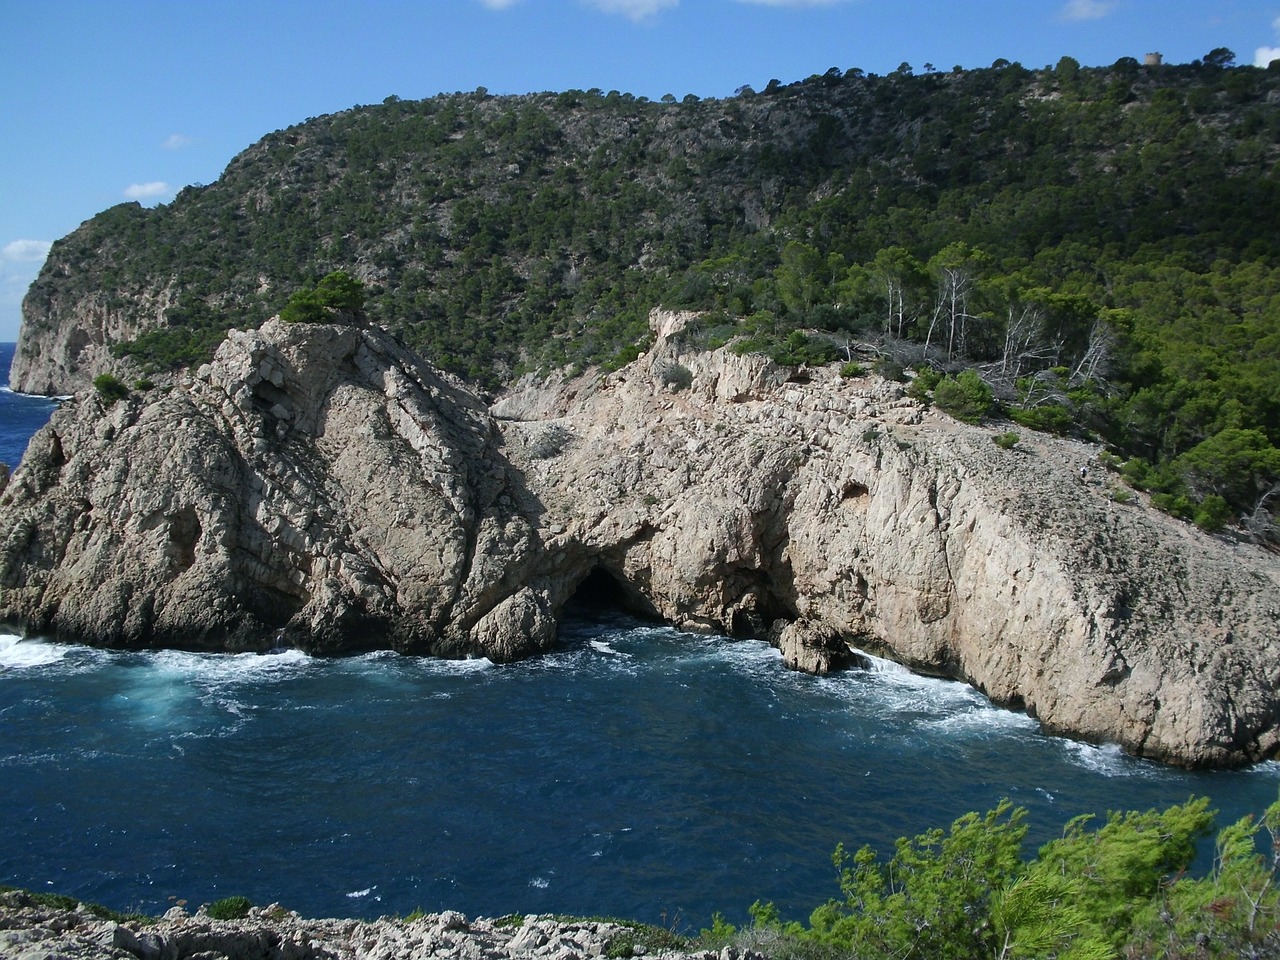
634 770
637 772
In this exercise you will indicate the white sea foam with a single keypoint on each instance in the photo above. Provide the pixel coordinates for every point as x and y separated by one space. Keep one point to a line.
226 668
361 894
540 883
603 646
19 654
1109 760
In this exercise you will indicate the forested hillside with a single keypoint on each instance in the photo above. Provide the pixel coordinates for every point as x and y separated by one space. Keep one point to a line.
1087 250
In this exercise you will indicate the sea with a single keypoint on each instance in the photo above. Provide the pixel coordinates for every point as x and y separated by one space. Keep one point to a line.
635 771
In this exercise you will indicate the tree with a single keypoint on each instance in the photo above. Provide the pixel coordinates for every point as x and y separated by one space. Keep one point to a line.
337 295
1236 464
1220 57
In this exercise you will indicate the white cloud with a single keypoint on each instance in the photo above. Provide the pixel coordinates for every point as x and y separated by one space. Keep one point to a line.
499 4
147 191
636 10
25 251
1264 55
176 141
1087 9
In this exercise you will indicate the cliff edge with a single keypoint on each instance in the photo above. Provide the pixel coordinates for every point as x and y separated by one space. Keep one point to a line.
320 486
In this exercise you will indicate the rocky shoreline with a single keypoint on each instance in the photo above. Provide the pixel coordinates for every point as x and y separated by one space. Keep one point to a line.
30 930
322 487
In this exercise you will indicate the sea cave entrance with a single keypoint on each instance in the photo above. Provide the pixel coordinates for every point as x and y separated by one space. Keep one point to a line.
602 592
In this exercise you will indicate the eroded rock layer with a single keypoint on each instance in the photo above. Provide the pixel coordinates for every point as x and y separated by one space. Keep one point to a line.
320 486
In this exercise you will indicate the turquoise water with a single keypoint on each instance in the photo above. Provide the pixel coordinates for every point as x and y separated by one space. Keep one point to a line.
636 771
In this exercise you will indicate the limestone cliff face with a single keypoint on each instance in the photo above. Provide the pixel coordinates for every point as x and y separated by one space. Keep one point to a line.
69 324
320 486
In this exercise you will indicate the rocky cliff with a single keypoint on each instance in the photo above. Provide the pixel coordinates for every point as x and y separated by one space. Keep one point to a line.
320 486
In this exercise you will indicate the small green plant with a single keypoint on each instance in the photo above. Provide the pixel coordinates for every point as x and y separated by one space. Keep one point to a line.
1120 495
852 369
230 908
110 388
1007 440
144 384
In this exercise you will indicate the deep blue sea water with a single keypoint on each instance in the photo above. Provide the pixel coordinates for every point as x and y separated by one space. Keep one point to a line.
636 771
20 416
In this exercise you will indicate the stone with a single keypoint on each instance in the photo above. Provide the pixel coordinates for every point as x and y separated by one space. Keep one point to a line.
395 508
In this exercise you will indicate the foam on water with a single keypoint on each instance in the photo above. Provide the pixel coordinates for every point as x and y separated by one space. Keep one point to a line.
19 654
1108 760
216 669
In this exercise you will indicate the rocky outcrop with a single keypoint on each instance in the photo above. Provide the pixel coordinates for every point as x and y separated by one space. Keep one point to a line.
321 487
32 931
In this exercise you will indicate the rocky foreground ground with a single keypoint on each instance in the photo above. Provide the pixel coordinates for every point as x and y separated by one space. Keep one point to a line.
31 930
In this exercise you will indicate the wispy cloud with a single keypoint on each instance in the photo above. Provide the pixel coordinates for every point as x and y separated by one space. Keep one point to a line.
25 251
1087 9
498 4
147 191
636 10
177 141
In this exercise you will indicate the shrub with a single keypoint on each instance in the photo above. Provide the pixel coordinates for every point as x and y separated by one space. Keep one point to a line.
110 388
852 369
230 908
965 396
1049 418
1006 441
337 293
1212 513
923 384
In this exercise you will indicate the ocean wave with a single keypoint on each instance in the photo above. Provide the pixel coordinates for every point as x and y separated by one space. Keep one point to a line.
220 669
17 653
1108 760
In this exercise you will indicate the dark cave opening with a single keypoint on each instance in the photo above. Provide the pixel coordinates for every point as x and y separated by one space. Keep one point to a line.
601 592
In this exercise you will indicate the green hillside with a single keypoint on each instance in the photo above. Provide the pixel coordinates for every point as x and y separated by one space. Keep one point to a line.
1098 244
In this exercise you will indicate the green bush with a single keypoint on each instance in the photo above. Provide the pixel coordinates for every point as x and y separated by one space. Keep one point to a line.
337 294
230 908
852 369
1212 513
1047 418
1007 440
110 388
923 384
965 396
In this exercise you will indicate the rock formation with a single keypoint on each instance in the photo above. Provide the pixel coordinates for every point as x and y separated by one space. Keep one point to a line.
320 486
32 931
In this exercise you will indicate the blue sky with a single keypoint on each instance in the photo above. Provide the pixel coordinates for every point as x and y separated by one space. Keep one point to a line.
111 100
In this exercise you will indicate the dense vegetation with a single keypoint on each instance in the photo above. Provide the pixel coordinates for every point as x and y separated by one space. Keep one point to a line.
1096 244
